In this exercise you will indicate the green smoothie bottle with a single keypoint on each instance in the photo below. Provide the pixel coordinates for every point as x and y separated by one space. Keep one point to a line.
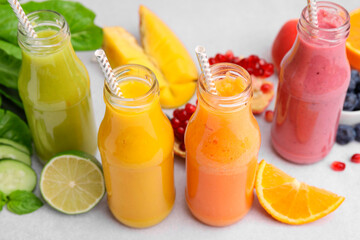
55 89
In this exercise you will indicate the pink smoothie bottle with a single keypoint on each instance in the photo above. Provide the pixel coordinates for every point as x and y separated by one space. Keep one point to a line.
313 80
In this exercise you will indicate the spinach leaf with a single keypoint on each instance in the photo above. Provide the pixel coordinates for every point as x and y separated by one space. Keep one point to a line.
9 105
11 94
3 200
23 202
85 34
13 128
10 62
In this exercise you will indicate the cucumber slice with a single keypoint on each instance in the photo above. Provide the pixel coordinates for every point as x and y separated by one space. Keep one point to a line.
15 175
18 146
8 152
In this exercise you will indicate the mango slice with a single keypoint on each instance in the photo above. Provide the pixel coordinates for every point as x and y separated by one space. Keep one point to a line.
122 48
171 56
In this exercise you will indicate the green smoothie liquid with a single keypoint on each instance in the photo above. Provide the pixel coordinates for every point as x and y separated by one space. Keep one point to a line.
55 89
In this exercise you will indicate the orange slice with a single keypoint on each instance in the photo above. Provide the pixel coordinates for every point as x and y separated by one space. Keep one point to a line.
353 41
290 201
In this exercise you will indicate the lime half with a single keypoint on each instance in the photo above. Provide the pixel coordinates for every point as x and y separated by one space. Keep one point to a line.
72 182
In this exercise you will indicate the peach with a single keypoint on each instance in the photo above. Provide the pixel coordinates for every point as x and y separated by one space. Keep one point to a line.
284 41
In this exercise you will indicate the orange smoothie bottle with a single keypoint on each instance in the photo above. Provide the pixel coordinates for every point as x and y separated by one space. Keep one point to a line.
222 142
136 146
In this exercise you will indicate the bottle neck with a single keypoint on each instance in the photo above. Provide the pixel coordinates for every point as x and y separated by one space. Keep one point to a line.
129 104
52 30
333 25
220 104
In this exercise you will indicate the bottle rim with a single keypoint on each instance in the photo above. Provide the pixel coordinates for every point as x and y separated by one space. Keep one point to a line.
332 35
125 73
44 19
231 103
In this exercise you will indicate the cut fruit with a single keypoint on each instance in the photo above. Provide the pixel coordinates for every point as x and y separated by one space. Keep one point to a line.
72 182
290 201
170 55
261 99
353 41
15 175
18 146
9 152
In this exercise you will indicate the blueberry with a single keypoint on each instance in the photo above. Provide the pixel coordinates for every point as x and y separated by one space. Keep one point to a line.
345 134
358 105
357 131
354 73
352 85
351 102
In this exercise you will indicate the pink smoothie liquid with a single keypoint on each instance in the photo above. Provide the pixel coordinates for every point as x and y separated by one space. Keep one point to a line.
313 80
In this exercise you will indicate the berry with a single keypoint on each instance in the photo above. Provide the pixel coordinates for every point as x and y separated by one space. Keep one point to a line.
183 115
182 146
220 57
352 85
268 69
212 61
265 88
176 113
355 75
351 102
189 108
269 115
355 158
236 60
345 134
229 55
338 166
357 132
175 123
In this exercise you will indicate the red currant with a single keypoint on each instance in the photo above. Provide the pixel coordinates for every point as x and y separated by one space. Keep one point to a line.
338 166
183 115
175 123
229 55
212 61
182 146
176 113
220 57
266 87
269 116
190 109
356 158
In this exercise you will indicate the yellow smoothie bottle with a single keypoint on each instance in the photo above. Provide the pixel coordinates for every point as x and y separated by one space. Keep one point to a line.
136 140
55 89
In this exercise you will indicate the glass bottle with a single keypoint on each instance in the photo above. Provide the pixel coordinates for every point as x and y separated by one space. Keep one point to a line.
136 145
313 81
222 142
55 89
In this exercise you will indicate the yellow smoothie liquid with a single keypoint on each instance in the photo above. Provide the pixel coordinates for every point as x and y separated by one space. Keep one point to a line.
221 155
55 89
136 146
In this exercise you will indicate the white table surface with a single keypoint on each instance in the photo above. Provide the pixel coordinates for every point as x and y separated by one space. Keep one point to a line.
246 27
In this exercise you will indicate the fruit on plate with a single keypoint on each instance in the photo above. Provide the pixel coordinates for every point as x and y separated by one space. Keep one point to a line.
284 41
179 123
353 41
263 90
72 182
171 56
290 201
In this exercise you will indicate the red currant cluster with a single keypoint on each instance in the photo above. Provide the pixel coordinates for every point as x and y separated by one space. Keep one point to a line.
180 121
253 64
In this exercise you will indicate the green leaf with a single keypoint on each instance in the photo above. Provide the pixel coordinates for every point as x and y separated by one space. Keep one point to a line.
23 202
84 40
3 200
13 128
9 105
11 94
10 63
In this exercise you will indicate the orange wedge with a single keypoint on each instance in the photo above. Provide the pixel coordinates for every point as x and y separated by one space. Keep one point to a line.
290 201
353 41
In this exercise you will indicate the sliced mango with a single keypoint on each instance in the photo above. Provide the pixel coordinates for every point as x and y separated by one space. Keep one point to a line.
122 48
171 56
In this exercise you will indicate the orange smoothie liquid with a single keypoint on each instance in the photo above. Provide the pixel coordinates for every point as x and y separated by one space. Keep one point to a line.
222 148
136 147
